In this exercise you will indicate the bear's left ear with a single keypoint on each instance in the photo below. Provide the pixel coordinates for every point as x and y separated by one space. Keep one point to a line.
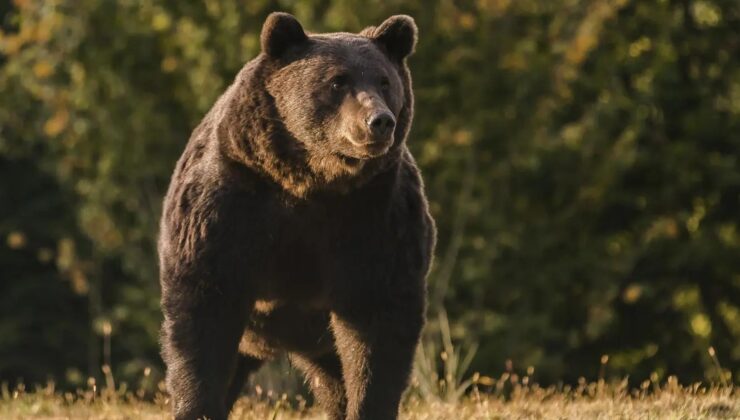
280 32
397 35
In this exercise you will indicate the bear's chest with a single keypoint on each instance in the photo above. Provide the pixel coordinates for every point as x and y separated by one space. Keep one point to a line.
300 247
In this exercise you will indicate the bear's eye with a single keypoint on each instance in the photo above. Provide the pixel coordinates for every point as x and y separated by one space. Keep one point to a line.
339 82
385 83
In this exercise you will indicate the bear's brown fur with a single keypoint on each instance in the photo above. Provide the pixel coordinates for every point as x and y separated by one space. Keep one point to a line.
296 221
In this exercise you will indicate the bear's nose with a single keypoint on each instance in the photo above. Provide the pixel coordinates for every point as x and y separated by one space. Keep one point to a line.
381 124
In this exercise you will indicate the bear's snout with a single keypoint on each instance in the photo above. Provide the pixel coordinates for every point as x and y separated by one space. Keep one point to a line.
372 123
381 125
372 136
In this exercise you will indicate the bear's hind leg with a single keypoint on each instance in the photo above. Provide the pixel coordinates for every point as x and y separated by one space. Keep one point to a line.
324 377
244 366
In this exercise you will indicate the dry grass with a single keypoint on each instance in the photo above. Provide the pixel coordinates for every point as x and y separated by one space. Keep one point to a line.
596 400
589 401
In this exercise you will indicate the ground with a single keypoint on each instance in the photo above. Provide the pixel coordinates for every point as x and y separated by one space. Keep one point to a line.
589 401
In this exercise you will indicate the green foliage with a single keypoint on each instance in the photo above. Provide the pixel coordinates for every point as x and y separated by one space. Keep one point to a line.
454 382
581 157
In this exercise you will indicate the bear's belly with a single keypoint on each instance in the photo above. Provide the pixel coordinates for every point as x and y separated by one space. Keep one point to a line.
274 326
293 285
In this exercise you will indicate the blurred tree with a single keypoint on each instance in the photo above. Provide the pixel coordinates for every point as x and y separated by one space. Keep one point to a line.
41 310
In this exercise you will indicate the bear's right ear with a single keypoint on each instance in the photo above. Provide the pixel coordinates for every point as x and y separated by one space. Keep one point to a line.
280 32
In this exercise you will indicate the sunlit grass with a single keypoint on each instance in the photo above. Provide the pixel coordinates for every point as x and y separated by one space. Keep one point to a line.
441 389
508 397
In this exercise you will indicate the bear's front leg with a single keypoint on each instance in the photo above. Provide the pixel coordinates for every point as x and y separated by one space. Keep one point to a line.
200 337
376 339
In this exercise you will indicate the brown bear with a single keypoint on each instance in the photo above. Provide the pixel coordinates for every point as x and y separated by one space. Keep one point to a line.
296 222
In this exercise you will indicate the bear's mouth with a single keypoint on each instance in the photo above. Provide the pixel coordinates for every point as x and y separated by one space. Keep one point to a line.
368 149
349 160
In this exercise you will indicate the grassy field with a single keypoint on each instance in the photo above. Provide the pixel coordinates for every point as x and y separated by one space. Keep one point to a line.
596 400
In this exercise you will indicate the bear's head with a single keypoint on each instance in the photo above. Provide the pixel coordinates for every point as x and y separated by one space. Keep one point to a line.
326 111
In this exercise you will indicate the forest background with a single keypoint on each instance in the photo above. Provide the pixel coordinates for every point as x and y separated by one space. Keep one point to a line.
581 158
